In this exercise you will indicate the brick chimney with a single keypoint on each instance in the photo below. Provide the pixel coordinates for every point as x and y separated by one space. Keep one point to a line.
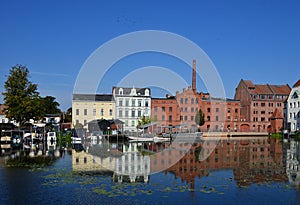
194 76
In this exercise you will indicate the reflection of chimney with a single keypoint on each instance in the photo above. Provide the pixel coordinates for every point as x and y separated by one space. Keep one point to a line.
194 76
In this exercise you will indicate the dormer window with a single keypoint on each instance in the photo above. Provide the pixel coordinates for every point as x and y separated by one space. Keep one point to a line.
121 91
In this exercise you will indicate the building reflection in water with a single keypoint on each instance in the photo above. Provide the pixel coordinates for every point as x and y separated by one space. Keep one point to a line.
253 160
292 160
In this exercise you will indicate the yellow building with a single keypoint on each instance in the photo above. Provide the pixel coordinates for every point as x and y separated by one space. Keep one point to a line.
88 107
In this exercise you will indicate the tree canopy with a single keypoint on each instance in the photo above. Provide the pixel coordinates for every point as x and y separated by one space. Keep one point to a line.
22 98
199 119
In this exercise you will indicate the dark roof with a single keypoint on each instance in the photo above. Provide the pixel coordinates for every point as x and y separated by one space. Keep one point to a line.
127 91
111 121
53 115
297 84
93 97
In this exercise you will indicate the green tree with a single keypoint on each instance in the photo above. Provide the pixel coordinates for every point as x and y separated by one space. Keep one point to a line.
68 115
144 120
21 96
199 119
50 105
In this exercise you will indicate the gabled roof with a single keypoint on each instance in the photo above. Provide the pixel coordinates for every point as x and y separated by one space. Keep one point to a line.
297 84
267 89
277 114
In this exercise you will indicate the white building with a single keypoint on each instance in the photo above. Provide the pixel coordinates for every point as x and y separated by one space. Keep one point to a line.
131 105
293 108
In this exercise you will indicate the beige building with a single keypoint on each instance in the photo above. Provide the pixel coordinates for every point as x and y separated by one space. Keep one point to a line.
88 107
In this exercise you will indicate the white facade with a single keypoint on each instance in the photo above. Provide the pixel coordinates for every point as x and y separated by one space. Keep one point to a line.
131 105
293 109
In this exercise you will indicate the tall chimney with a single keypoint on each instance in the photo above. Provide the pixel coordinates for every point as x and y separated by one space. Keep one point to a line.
194 76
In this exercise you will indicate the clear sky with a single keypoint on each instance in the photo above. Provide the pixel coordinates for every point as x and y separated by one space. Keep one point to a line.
255 40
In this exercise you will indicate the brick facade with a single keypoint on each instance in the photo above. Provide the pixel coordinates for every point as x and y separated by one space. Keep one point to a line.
258 103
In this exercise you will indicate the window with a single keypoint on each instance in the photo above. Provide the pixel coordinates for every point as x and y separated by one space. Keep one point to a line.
208 109
208 118
126 123
85 111
192 109
126 113
236 110
163 118
262 119
185 117
163 109
94 112
126 103
228 110
185 109
217 109
155 109
170 109
170 118
133 103
217 118
263 104
110 112
102 112
120 102
120 113
139 113
186 101
181 100
84 122
146 103
196 100
192 100
192 118
263 112
132 113
132 123
139 103
228 118
77 111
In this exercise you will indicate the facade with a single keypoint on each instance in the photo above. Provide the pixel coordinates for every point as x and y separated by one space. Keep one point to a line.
220 115
88 107
180 111
258 103
293 109
131 105
164 111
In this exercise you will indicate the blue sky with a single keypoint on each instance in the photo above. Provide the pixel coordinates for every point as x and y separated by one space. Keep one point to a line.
255 40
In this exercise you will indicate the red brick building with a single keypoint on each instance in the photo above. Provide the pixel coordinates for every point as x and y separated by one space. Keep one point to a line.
258 104
181 110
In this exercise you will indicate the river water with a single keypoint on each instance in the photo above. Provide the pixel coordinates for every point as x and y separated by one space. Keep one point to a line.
212 171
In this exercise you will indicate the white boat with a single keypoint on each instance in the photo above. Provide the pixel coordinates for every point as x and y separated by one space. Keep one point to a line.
51 136
141 139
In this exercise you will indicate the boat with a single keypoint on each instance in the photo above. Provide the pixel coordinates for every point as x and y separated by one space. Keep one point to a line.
141 139
51 136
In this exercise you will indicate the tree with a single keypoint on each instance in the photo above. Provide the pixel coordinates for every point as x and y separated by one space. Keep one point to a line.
50 105
68 115
21 96
199 119
144 120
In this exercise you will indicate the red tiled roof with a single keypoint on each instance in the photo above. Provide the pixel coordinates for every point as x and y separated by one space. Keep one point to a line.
267 88
2 107
281 89
249 83
297 84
